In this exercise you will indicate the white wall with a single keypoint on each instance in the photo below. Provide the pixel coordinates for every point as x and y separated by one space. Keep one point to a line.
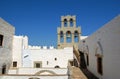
26 56
44 55
41 77
33 71
108 36
19 43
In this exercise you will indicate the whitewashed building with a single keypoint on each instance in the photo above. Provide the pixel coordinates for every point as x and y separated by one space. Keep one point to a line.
101 51
37 60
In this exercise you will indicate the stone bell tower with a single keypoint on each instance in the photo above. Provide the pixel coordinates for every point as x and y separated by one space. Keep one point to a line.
68 33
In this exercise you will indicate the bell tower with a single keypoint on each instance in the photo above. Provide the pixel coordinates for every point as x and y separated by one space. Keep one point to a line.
68 33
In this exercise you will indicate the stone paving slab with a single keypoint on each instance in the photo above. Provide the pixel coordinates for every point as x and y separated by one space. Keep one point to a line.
76 73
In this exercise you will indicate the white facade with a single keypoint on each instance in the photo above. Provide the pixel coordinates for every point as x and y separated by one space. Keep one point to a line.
19 43
48 57
26 56
104 44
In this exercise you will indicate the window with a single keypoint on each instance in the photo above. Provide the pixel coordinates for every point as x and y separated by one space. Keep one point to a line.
1 40
99 65
38 64
15 64
55 59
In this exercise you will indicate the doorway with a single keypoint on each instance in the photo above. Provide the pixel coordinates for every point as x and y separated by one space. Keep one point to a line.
3 69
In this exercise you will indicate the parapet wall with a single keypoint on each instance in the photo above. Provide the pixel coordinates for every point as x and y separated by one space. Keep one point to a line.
40 47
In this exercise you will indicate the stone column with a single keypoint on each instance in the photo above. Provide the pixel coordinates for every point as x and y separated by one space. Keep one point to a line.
64 38
68 22
58 38
74 23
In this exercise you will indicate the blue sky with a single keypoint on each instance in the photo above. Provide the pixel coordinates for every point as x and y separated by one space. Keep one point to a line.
39 19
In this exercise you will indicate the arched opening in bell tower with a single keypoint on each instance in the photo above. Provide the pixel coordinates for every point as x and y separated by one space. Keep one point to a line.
71 22
61 37
65 23
76 36
68 37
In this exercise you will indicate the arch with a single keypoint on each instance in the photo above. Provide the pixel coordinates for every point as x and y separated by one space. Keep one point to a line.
43 71
68 37
99 49
71 22
76 36
61 37
65 22
57 66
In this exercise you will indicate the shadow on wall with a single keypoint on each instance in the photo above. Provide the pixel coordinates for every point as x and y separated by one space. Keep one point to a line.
83 67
